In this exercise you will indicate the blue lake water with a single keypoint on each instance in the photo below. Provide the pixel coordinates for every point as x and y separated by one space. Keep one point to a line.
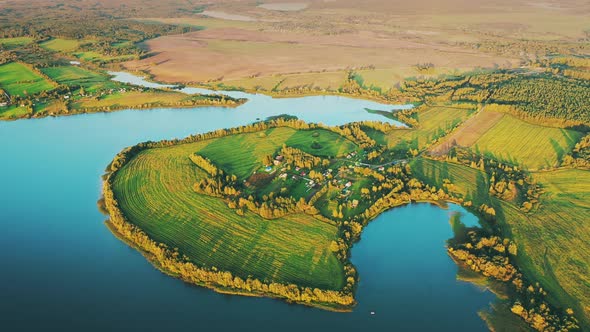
62 270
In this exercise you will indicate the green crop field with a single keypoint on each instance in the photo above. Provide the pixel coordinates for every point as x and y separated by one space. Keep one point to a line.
553 241
61 45
434 122
559 231
12 112
97 57
526 144
18 80
72 75
155 191
242 154
15 42
467 181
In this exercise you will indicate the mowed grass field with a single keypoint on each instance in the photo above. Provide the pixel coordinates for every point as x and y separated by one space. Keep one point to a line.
72 75
242 154
18 80
155 192
61 45
527 144
434 121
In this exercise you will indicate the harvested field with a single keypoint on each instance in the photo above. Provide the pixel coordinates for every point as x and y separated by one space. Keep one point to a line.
434 122
285 6
469 132
236 53
227 16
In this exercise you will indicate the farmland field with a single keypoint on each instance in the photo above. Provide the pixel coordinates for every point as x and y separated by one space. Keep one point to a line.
12 112
72 75
14 42
155 191
522 143
466 181
469 132
434 122
132 99
92 56
553 238
230 152
19 80
61 45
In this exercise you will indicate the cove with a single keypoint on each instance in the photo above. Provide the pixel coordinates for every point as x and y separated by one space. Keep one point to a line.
63 270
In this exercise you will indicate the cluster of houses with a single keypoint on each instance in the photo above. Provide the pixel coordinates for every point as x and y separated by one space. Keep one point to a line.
351 155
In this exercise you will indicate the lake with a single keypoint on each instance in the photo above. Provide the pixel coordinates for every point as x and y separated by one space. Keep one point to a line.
63 270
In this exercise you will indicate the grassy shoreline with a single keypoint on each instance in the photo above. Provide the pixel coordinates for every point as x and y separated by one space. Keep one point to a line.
117 108
129 232
233 291
226 291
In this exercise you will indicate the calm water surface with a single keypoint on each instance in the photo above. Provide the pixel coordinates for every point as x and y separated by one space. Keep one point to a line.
62 270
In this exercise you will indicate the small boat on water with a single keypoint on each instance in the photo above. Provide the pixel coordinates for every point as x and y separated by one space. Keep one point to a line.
372 312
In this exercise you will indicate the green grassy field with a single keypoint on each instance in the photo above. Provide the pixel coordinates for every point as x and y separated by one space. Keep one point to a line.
242 154
467 181
556 235
97 57
61 45
12 112
18 80
131 99
526 144
155 192
434 121
72 75
15 42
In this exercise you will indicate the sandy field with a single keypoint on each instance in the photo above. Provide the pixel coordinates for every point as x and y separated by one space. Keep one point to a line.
254 44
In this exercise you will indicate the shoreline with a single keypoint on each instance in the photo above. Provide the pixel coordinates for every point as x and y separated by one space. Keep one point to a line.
136 238
225 291
118 109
